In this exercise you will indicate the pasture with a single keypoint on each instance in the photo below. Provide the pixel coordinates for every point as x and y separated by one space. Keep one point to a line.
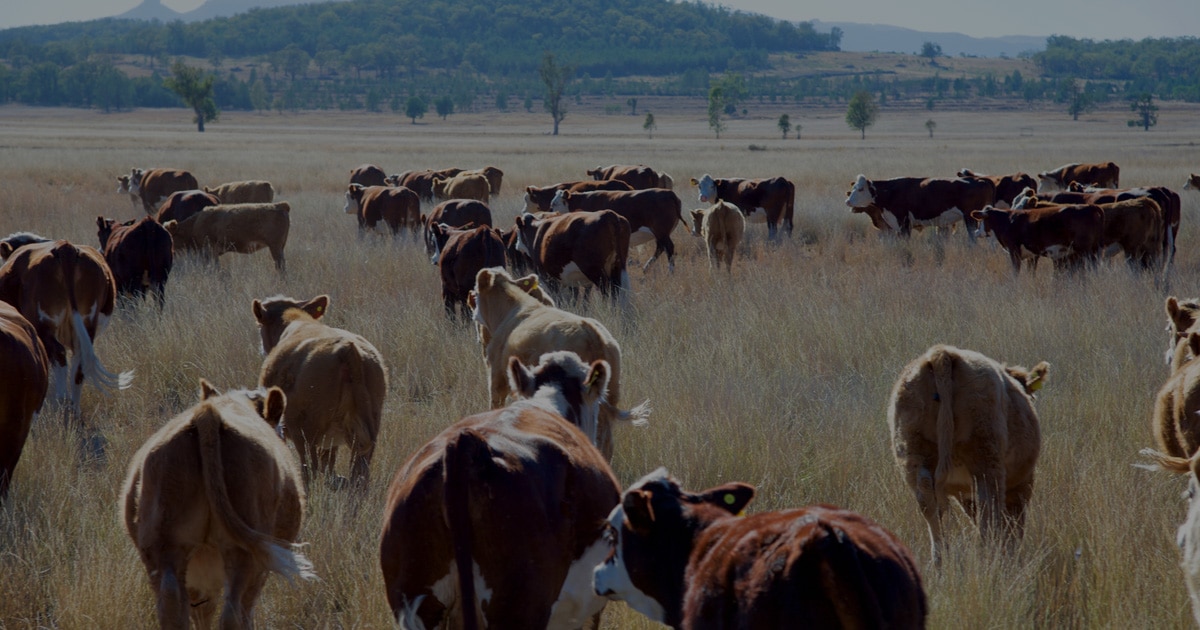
777 375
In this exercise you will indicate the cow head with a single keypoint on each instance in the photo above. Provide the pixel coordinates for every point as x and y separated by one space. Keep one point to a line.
651 533
497 294
104 230
17 240
993 220
1026 199
135 180
439 186
560 202
1031 380
1049 180
439 234
707 188
597 173
563 382
269 404
526 227
1182 315
966 172
530 204
861 193
354 198
275 314
123 184
392 180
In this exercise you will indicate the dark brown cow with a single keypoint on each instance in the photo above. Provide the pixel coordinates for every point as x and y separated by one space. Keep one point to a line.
368 175
25 372
460 256
652 215
1008 187
579 249
156 184
139 253
1103 174
185 203
761 200
1069 235
454 213
398 207
498 520
421 182
538 199
906 203
688 561
66 315
639 176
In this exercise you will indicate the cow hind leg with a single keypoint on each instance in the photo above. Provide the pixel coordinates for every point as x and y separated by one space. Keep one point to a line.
1015 504
920 479
989 498
277 256
245 581
174 605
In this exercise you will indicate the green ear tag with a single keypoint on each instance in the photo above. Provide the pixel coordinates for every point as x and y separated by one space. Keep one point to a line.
729 498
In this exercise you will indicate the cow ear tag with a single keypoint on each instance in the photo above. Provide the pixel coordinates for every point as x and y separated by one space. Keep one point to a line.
1037 385
320 309
730 500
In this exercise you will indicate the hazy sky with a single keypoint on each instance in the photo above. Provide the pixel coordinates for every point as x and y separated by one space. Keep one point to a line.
1097 19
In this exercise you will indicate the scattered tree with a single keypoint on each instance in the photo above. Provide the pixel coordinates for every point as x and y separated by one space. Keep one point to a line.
555 77
861 112
632 103
195 87
415 108
1080 101
930 125
294 61
444 106
796 127
785 125
259 99
716 104
502 100
1147 111
649 126
529 104
932 51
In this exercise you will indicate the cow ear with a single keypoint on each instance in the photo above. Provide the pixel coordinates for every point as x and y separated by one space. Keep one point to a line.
207 390
316 306
100 222
170 225
694 182
424 220
274 406
1194 344
529 283
698 214
597 379
484 279
6 250
259 311
638 506
731 497
1173 309
471 299
520 378
1037 377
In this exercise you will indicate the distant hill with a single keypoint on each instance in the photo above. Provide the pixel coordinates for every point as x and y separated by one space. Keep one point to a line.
884 38
155 10
151 10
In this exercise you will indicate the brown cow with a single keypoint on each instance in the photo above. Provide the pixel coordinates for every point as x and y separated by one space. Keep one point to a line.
1182 315
1188 536
1192 183
639 176
498 520
185 203
243 228
462 186
454 213
398 207
1008 187
459 257
494 176
67 315
1069 235
688 561
1102 174
156 184
335 382
722 227
761 200
579 249
1135 227
1175 421
139 253
652 215
214 502
250 191
421 182
538 199
368 175
908 203
25 372
964 427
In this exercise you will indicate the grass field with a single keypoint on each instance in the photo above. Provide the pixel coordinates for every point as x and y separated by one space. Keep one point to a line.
776 375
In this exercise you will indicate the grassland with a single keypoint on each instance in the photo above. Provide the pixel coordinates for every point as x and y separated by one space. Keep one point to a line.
777 375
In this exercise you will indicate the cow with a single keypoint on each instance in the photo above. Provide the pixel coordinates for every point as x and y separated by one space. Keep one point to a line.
398 207
154 185
1188 535
652 215
1182 315
761 200
494 176
242 227
1175 421
462 186
580 249
1068 235
368 175
1102 174
1008 187
461 253
185 203
214 502
124 188
68 294
139 253
1135 227
721 225
964 427
514 323
25 373
335 382
1192 183
537 199
905 203
498 520
250 191
639 176
421 182
454 213
688 561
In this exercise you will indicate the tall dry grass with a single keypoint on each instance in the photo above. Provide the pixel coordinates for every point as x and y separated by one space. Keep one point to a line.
777 375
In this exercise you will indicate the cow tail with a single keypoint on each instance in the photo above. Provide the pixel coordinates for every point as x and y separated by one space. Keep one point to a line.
276 555
1162 461
68 257
845 583
466 452
942 364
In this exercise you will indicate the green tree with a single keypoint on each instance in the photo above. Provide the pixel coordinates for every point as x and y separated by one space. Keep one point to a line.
529 104
861 111
649 125
784 124
259 99
415 108
444 106
930 125
502 100
555 77
294 61
1147 112
1079 101
716 105
931 51
195 87
632 103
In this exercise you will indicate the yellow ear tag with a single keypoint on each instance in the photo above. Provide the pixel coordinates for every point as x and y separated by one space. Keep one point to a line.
729 498
320 309
592 379
533 284
1037 385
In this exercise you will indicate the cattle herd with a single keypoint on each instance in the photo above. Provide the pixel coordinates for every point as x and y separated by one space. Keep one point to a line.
513 517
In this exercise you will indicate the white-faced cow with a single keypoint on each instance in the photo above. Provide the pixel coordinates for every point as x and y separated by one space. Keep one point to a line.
156 184
537 199
1102 174
25 372
761 200
1068 235
579 249
652 215
905 203
1008 187
1192 183
398 207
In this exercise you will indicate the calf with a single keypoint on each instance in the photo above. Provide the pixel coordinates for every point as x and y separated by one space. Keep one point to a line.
460 255
581 249
905 203
250 191
454 213
139 253
1188 535
721 226
1103 174
538 199
964 427
185 203
1008 187
462 186
652 215
688 561
25 372
243 228
1069 235
761 200
335 382
398 207
214 502
368 175
156 184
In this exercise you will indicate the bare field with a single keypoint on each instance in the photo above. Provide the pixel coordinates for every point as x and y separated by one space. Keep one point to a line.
777 375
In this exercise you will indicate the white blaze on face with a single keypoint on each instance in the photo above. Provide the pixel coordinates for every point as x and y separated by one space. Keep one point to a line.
708 189
521 245
559 203
860 195
611 579
351 206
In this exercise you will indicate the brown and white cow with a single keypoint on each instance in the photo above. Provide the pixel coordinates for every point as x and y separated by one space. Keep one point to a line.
1188 535
905 203
690 561
460 254
1175 420
335 382
465 185
1102 174
1192 183
242 227
421 182
214 503
249 191
537 199
514 323
368 175
1068 235
964 427
67 292
185 203
454 213
25 372
398 207
123 188
1008 187
722 227
761 200
139 253
579 249
639 176
498 520
154 185
652 215
1182 315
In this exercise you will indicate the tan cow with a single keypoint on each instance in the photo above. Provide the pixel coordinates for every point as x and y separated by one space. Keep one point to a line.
250 191
335 382
519 325
1175 420
243 228
1188 536
25 371
465 185
214 502
494 176
964 427
721 226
